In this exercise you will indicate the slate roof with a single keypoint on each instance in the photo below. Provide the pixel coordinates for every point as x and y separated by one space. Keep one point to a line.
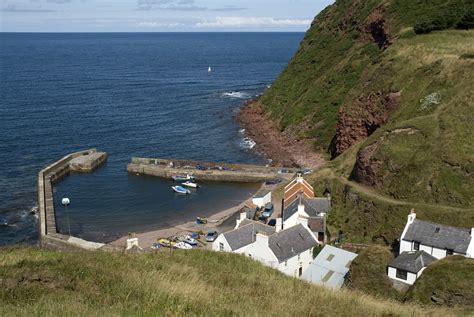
262 193
245 234
439 236
329 267
313 207
290 242
317 224
412 261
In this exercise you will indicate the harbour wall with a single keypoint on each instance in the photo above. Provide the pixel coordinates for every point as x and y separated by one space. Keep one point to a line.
47 177
207 171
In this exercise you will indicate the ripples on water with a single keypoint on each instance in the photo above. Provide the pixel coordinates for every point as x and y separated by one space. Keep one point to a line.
130 95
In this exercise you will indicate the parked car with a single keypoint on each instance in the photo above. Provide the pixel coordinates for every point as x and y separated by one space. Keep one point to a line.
211 236
273 181
272 222
268 211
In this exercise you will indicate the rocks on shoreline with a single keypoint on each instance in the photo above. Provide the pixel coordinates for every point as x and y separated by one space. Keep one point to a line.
281 148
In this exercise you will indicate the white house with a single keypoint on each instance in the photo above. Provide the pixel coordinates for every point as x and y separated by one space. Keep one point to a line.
436 239
423 242
300 206
330 267
262 197
289 250
239 239
408 266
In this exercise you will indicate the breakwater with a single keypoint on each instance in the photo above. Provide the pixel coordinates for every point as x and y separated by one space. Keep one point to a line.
208 171
83 161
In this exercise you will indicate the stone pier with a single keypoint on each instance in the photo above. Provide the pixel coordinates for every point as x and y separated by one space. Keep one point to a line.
208 171
84 161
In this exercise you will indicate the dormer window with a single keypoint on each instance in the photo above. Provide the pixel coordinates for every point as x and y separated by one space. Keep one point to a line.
416 245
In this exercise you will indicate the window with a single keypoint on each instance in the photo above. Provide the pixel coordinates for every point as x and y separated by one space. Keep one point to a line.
330 257
221 246
449 252
327 276
416 245
300 272
401 274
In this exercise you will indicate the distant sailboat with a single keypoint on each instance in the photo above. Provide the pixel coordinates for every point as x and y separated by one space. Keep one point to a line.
209 69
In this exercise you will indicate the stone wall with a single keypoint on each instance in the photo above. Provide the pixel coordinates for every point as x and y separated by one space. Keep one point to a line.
223 172
48 236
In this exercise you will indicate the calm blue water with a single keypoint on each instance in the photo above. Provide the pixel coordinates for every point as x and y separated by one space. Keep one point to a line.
129 95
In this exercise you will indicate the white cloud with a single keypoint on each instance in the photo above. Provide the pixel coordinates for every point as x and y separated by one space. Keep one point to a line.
222 22
158 25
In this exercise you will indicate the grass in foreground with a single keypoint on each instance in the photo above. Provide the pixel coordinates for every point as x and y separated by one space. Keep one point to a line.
39 282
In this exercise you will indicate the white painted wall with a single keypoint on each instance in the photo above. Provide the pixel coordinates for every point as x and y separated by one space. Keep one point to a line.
411 278
293 220
216 244
470 248
260 251
261 201
438 253
407 246
291 267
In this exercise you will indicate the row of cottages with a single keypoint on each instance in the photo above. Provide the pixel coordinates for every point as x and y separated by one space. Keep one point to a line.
288 250
423 242
288 245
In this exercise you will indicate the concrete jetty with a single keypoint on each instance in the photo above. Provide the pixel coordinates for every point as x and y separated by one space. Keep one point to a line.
87 163
208 171
83 161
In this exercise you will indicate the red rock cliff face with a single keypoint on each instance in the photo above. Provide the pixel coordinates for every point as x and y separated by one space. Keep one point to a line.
366 115
370 111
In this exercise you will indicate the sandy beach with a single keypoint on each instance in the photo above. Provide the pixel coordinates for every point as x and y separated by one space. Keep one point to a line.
221 221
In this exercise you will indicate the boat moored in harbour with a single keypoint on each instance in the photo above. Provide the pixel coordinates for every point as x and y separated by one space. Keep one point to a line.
190 184
182 178
180 190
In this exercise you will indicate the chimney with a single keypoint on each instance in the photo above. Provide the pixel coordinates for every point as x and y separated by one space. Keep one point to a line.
261 238
300 208
411 216
242 216
278 225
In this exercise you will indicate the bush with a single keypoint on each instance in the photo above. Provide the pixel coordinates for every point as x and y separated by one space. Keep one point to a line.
467 21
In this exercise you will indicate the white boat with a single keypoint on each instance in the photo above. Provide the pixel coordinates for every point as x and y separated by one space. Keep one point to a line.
182 245
209 69
190 184
180 190
182 178
190 241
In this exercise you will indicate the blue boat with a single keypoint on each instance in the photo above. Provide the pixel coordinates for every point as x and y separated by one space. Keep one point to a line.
180 190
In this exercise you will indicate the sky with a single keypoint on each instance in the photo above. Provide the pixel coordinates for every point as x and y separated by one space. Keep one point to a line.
158 15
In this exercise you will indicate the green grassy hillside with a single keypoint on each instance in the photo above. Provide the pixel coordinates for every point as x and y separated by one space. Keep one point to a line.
385 87
47 283
438 284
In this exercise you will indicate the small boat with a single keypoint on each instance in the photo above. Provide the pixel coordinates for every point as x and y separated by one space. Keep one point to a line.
167 243
209 69
182 245
190 184
190 241
180 190
182 178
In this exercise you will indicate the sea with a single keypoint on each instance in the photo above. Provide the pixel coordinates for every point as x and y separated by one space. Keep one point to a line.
128 94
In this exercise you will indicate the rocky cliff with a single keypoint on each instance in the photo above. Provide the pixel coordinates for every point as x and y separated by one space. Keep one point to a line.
384 89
